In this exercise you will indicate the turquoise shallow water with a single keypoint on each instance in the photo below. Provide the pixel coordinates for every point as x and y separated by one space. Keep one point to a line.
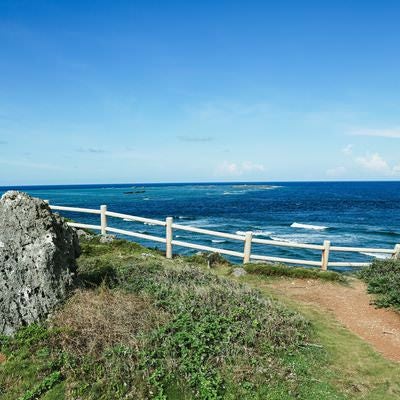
365 214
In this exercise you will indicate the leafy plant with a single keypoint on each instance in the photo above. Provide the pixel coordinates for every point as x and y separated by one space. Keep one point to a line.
43 387
383 279
293 272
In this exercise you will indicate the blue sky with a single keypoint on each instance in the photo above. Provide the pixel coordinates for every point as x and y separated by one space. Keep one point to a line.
144 91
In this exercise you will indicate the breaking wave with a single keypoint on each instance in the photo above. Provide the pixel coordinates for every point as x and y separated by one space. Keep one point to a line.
306 226
381 256
255 233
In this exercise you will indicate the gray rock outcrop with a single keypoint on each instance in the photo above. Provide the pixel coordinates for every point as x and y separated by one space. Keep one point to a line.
107 238
238 272
83 234
37 260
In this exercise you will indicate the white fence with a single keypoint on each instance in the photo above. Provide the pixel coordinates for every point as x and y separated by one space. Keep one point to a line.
247 239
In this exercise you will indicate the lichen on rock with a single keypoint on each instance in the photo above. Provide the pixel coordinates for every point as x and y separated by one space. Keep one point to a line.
38 252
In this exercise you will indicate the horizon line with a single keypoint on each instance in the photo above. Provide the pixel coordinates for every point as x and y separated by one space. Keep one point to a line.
201 183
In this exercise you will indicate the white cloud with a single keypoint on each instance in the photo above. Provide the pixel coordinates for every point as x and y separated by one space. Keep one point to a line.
376 163
238 169
348 149
373 162
336 172
396 169
388 133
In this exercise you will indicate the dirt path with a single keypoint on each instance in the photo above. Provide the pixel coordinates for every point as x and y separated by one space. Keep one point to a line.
351 306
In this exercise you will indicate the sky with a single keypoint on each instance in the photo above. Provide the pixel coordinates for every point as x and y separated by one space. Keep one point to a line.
197 91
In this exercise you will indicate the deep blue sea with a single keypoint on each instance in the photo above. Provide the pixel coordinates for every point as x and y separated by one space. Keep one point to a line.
365 214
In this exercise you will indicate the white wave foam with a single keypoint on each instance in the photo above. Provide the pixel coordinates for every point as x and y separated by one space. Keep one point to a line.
218 240
256 187
262 233
149 223
377 255
255 233
201 223
279 239
234 192
306 226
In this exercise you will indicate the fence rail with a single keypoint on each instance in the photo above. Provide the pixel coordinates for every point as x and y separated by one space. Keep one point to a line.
246 255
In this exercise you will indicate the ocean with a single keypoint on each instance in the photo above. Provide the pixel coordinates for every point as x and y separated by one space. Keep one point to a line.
362 214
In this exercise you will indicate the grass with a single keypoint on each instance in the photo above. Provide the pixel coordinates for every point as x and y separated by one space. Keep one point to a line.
351 365
139 326
293 272
28 371
383 279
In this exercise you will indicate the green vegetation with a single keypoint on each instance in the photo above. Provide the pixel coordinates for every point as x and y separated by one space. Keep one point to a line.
140 326
383 279
28 371
351 365
293 272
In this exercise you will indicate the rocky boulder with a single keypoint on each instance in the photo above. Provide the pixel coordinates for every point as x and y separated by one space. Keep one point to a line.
238 272
37 260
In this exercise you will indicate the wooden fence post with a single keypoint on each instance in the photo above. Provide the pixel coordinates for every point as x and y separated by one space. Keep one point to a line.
325 255
103 219
247 247
396 254
168 237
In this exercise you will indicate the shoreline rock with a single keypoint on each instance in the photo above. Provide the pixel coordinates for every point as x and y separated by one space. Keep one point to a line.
38 252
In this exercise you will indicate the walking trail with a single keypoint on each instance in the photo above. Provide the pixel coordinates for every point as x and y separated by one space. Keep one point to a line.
352 306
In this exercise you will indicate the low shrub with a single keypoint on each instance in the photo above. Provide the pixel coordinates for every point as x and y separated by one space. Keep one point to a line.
383 279
213 324
293 272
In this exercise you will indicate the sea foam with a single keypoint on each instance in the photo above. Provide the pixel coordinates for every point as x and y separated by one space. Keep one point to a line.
279 239
306 226
255 233
380 256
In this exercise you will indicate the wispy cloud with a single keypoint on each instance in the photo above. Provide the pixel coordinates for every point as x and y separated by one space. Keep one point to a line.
228 109
238 168
195 139
387 133
348 149
333 116
93 150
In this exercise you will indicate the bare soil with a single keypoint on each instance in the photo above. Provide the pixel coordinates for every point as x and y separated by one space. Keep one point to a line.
352 306
3 358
